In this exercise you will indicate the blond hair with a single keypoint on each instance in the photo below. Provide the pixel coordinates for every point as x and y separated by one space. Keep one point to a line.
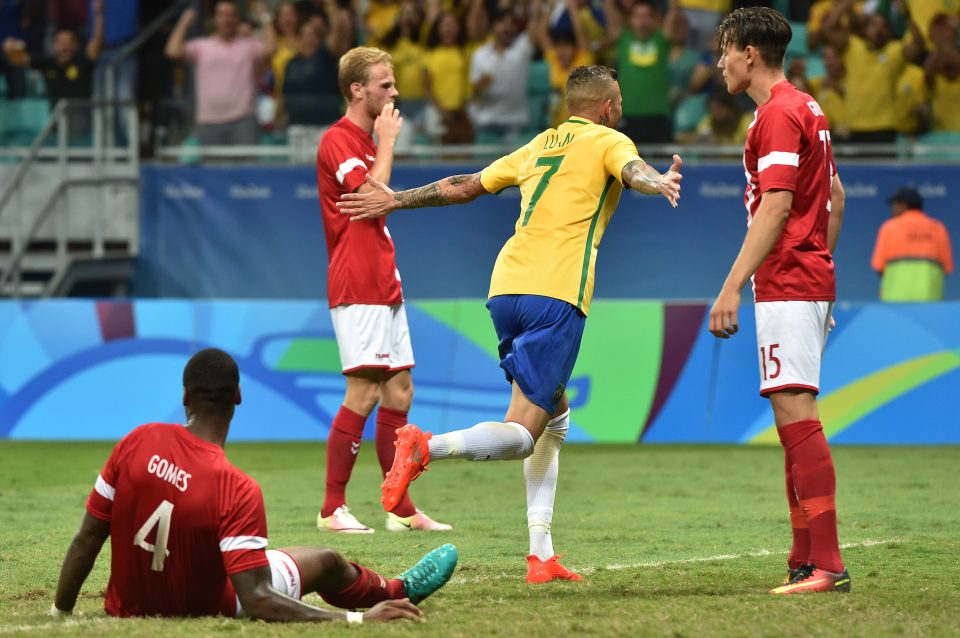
588 86
355 67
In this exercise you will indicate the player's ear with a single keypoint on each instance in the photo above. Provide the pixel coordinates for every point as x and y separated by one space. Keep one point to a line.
356 90
186 397
237 400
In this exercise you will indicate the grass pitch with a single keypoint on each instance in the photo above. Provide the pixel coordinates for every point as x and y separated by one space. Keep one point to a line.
673 541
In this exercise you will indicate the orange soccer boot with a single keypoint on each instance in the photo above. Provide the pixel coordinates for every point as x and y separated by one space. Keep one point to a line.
410 459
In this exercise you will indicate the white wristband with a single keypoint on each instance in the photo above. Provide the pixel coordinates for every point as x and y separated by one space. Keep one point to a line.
56 613
355 617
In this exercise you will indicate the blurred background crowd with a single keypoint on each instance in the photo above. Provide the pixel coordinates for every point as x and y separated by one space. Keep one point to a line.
470 71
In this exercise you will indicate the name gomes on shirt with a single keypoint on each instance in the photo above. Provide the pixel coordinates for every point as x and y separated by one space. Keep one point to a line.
167 471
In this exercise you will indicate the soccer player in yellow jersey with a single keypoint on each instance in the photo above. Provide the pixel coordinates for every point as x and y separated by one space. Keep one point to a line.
570 181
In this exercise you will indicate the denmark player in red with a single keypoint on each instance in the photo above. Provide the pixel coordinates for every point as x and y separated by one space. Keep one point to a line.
363 290
188 532
794 202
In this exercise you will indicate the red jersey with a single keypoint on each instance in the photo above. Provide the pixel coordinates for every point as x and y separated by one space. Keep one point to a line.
363 267
788 148
181 519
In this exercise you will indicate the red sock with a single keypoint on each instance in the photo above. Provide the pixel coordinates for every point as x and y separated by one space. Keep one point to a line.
369 589
388 421
816 486
343 444
800 551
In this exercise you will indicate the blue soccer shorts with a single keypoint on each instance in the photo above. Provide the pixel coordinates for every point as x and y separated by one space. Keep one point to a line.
539 342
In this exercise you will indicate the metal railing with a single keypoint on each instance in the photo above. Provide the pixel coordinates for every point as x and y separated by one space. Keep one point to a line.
109 166
910 152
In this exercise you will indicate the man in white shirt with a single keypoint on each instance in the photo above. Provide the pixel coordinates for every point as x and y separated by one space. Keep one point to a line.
499 73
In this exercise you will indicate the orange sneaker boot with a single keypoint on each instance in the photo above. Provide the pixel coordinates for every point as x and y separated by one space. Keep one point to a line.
543 571
410 459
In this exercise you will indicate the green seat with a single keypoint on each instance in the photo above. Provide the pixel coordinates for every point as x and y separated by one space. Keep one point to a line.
21 120
689 112
798 43
538 95
815 67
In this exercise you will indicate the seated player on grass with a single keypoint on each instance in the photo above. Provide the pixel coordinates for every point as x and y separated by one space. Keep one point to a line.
188 530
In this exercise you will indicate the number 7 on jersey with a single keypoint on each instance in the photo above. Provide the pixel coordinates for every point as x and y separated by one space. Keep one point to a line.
554 164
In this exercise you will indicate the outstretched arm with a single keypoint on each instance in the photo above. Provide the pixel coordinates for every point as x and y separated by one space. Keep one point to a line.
457 189
642 177
262 602
78 562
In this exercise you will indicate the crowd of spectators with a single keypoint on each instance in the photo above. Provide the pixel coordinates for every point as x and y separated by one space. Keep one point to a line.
487 70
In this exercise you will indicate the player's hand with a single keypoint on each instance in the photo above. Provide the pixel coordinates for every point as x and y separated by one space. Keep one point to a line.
669 183
375 203
387 610
723 315
388 123
833 324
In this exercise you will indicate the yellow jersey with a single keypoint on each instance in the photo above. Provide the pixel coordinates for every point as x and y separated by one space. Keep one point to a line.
570 184
872 88
448 67
946 96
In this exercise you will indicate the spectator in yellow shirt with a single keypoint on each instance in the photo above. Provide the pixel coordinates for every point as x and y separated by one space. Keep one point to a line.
406 45
724 123
942 70
381 16
446 81
562 51
830 92
912 108
875 62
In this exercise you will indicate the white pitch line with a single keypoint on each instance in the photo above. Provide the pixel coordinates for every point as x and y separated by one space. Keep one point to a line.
66 623
462 580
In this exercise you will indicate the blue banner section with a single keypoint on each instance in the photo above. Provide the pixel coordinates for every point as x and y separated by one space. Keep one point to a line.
81 369
890 374
256 233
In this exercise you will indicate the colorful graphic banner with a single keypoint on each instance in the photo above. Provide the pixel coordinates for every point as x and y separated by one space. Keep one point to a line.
648 371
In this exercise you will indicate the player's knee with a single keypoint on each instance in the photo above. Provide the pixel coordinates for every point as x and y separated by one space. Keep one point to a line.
362 398
399 398
330 562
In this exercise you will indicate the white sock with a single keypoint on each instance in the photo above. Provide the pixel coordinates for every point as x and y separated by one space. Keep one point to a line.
488 441
540 471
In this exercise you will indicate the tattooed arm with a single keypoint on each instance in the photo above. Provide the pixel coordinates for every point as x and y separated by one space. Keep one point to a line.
642 177
457 189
